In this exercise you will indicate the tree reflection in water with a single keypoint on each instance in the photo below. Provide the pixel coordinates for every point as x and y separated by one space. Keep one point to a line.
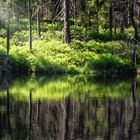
71 117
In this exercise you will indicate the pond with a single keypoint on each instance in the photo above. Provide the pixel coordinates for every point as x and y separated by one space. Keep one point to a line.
69 108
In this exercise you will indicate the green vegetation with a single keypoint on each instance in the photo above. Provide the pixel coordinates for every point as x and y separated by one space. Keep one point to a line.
58 88
52 56
79 40
68 48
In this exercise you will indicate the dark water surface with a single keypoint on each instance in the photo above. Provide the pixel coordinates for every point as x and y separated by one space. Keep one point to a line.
69 108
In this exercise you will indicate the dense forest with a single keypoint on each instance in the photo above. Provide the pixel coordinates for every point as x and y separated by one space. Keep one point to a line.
69 69
69 36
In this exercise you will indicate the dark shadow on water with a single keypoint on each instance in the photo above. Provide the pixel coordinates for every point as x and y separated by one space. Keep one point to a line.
69 107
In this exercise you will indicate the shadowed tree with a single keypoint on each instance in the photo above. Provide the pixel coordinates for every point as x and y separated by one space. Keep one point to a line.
66 8
30 25
110 19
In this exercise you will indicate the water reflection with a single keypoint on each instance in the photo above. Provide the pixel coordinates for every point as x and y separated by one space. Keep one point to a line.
69 108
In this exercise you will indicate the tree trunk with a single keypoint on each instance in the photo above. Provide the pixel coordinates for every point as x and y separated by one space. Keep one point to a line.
133 20
83 5
8 35
74 3
30 25
97 18
121 26
67 36
110 20
38 23
115 25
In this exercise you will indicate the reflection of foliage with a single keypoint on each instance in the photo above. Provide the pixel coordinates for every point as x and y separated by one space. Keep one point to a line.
78 87
91 108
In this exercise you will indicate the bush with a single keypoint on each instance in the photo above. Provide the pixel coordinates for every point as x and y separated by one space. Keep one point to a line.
45 57
53 56
100 47
20 60
2 54
78 32
2 42
111 64
20 38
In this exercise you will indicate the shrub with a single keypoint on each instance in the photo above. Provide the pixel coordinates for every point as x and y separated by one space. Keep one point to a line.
100 47
2 54
20 60
2 42
78 32
53 56
111 64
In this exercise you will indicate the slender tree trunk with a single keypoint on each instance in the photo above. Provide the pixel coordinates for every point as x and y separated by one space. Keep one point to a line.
134 56
110 20
128 15
133 20
139 14
97 18
122 20
83 5
38 23
30 25
121 26
8 35
25 5
18 16
67 36
74 3
115 26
